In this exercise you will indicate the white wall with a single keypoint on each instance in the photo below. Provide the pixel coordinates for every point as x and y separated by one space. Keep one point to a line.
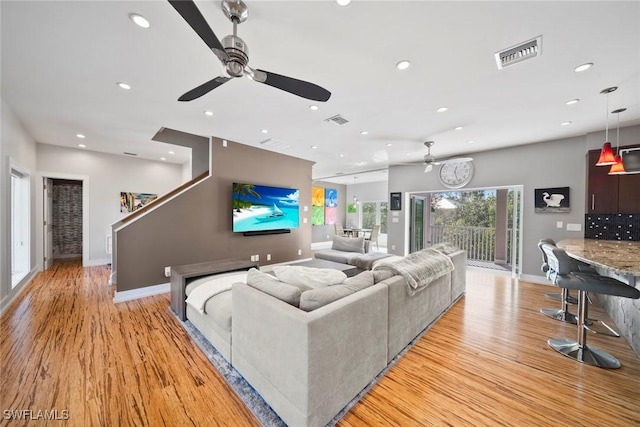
560 163
19 148
365 192
106 175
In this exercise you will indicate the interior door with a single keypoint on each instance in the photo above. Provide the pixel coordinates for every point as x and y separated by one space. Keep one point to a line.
47 203
417 223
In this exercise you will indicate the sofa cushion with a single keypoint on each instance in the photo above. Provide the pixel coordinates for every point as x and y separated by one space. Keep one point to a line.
272 286
316 298
218 309
380 275
348 244
307 278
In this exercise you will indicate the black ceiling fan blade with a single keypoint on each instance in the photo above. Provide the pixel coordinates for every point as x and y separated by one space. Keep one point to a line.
204 89
297 87
190 12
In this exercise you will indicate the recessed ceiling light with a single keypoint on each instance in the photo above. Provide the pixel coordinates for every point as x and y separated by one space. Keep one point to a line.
208 113
139 20
403 65
363 132
81 136
163 158
341 155
471 141
442 109
459 128
583 67
572 101
313 107
565 123
82 146
265 131
171 152
343 2
123 85
314 147
388 144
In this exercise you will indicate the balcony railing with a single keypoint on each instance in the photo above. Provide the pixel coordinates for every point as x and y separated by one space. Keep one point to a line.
479 242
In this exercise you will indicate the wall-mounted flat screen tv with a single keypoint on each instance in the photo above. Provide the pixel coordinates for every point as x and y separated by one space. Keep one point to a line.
263 208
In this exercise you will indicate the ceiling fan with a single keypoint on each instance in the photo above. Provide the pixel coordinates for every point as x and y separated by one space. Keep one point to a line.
233 53
430 160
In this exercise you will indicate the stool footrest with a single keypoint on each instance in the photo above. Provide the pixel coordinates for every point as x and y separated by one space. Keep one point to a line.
589 355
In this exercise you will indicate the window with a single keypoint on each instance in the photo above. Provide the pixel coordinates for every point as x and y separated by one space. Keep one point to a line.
20 219
375 213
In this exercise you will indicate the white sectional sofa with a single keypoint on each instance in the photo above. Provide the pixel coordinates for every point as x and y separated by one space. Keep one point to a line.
308 365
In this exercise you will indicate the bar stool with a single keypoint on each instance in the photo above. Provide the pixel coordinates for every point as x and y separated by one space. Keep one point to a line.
580 267
560 263
563 313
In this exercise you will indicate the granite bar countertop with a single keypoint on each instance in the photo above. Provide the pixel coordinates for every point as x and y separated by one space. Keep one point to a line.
622 257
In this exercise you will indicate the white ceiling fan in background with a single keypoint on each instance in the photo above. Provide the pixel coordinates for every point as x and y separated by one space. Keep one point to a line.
430 160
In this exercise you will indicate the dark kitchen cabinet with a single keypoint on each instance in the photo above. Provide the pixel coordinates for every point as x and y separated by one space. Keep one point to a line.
610 193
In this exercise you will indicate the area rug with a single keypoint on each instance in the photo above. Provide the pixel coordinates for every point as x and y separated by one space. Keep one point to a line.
252 399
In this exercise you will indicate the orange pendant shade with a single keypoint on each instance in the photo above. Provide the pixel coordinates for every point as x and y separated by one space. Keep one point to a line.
618 167
606 155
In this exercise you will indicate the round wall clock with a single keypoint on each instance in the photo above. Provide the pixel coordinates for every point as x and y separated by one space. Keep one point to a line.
456 174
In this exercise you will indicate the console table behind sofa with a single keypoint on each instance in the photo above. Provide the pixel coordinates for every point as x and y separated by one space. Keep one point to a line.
180 274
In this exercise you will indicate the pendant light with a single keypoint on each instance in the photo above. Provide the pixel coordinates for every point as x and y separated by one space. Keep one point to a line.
606 154
618 167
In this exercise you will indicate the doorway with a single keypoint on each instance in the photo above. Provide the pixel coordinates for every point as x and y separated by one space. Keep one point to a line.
486 222
65 222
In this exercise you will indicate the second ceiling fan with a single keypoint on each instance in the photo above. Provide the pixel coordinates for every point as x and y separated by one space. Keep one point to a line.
430 160
233 53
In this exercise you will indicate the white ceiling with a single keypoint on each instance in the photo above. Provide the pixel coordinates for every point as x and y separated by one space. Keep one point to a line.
61 61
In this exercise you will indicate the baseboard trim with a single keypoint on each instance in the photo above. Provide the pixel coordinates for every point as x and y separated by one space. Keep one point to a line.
538 280
9 299
147 291
96 262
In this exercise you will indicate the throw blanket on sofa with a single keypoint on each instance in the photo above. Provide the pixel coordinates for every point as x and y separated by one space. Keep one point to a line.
420 268
207 290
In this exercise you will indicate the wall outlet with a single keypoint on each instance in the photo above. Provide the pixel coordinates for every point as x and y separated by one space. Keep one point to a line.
304 220
559 224
268 257
167 272
257 258
393 247
299 251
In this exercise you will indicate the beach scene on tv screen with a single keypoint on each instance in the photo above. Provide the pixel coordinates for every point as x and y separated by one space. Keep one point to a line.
261 207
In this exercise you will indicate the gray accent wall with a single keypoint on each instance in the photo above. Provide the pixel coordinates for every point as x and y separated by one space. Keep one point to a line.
199 148
196 225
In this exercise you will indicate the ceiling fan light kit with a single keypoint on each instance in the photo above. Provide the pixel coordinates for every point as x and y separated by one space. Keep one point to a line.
233 53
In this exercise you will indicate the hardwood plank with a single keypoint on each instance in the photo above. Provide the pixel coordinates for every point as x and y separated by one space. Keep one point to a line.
64 345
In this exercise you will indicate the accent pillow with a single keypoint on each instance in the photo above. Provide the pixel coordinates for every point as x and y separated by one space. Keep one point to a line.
307 278
316 298
348 244
272 286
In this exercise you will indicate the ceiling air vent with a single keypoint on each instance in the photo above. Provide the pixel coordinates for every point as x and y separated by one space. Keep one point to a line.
274 145
523 51
337 120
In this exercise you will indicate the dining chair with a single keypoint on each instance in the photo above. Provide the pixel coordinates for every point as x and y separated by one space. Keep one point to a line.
338 229
373 237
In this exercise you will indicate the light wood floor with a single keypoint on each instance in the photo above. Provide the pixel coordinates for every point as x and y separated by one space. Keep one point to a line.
65 346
